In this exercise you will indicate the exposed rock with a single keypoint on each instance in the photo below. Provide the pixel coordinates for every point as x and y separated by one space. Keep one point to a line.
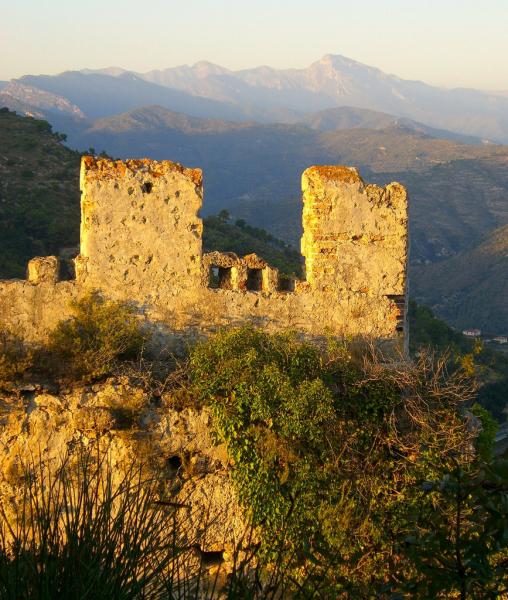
175 445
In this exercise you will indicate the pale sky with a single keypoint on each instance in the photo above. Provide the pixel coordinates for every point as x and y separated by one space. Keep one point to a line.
443 42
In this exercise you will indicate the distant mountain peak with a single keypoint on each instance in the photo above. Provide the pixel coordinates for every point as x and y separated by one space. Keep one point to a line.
111 71
340 61
204 68
41 99
334 59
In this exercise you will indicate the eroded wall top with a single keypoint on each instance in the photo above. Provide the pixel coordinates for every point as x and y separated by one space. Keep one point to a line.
141 241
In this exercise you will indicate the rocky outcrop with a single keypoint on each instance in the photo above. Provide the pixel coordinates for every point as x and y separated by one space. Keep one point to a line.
134 425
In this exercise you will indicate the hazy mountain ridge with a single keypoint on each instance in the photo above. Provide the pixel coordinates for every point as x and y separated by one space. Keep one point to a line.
267 94
20 106
153 118
348 117
459 192
101 95
40 99
340 81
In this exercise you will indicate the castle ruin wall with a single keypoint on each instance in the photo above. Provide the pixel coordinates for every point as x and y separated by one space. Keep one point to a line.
141 241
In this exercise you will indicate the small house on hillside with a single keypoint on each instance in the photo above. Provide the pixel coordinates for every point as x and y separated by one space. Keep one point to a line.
472 332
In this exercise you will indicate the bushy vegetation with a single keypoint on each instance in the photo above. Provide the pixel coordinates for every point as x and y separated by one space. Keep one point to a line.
100 334
360 479
490 367
339 462
458 543
95 341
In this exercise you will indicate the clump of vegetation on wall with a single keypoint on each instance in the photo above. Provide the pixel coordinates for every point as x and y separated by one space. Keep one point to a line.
338 459
92 343
360 479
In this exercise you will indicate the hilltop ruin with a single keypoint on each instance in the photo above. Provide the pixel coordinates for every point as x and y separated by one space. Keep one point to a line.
141 242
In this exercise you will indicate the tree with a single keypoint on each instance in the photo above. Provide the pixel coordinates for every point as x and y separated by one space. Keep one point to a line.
224 215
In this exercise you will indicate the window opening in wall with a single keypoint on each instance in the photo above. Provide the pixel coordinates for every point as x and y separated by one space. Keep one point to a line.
174 463
220 278
66 270
146 188
400 302
255 280
286 283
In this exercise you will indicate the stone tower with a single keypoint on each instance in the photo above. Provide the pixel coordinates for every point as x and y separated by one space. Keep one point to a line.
140 233
141 241
355 236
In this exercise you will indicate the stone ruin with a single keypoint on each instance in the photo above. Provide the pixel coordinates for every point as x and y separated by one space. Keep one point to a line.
141 241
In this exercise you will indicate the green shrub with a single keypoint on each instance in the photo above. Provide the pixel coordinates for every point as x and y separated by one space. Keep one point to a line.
96 338
15 358
486 438
329 451
458 542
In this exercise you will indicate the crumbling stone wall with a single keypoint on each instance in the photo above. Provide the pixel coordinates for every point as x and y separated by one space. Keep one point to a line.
139 227
355 235
141 241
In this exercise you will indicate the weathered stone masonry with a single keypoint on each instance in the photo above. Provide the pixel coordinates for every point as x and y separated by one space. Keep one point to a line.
141 241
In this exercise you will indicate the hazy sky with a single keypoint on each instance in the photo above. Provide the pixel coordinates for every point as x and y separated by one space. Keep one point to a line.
443 42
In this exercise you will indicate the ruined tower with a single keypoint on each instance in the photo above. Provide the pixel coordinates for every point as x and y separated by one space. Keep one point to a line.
355 236
140 233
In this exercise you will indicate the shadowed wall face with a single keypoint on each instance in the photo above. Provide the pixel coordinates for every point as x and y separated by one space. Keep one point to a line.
139 227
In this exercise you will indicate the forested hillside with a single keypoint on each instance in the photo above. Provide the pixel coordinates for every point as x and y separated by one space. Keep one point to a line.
471 288
40 212
39 192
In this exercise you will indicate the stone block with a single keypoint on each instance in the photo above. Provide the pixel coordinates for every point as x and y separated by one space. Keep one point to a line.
43 269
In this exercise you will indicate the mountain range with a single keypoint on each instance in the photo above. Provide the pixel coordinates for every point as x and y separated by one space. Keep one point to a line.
266 94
